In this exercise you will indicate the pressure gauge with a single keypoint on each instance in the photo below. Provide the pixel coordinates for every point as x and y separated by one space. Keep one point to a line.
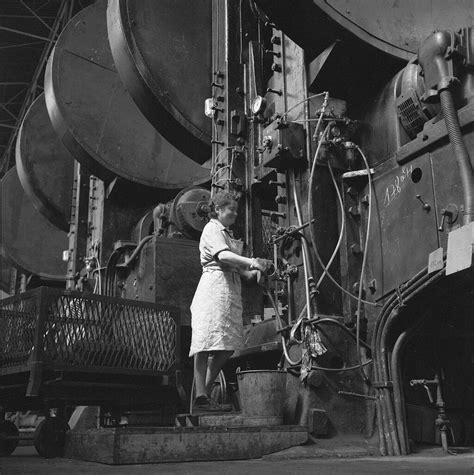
258 105
209 108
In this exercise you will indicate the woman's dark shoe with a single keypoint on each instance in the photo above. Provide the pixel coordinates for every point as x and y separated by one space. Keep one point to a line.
206 404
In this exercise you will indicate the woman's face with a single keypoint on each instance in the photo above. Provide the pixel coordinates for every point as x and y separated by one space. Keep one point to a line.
227 214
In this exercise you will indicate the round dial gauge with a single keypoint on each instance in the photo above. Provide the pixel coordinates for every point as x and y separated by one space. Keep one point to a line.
258 105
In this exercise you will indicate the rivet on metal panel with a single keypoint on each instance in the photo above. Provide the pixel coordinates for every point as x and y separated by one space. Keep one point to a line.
355 249
352 191
354 211
373 286
274 91
274 53
280 199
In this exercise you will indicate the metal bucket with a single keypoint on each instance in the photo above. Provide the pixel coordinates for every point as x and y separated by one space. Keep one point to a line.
262 393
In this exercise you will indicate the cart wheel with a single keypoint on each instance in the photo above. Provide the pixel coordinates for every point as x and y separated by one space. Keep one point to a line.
50 437
8 429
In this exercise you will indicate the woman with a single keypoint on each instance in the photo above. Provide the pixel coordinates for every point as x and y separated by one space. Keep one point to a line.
216 310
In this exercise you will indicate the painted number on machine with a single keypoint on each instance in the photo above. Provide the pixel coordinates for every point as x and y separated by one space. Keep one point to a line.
395 188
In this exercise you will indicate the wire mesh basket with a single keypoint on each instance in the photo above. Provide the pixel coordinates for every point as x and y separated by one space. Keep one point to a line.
69 329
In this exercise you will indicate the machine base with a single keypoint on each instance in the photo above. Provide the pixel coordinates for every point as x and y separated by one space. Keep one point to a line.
180 444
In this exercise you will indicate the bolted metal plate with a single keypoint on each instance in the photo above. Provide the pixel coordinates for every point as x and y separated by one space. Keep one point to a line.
162 51
45 166
398 219
27 239
97 120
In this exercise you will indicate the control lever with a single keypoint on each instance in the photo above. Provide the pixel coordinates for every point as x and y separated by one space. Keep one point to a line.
449 214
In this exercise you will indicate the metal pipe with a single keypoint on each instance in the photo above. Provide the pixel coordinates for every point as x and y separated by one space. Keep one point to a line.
304 247
385 442
396 372
398 393
461 153
363 266
137 250
416 285
385 377
292 231
280 322
382 411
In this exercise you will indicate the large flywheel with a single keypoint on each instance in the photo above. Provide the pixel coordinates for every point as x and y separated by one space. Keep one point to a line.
97 120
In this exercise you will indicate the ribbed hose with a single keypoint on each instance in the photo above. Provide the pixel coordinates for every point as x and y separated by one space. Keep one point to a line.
460 153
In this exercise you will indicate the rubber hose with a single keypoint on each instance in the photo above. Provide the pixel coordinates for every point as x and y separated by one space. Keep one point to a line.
460 153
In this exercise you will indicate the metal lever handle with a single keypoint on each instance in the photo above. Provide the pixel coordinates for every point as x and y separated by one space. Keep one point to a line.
426 206
445 213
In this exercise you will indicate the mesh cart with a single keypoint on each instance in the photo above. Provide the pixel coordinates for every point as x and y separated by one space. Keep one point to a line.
59 349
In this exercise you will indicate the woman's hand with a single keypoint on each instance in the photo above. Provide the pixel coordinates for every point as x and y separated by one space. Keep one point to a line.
249 275
263 265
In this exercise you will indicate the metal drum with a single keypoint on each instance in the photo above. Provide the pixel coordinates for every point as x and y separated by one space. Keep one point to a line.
96 118
162 51
45 166
27 238
396 28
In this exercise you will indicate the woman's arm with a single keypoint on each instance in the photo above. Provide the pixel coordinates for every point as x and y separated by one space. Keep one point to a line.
255 263
229 257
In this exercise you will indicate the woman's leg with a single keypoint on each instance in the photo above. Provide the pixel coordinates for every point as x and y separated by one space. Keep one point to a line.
214 365
200 371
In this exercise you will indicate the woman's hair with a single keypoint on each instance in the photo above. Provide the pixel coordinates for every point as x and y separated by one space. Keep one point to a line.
221 199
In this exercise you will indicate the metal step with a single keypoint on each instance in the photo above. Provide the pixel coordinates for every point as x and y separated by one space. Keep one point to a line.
224 419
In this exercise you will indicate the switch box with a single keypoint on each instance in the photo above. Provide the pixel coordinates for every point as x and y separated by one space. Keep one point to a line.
283 145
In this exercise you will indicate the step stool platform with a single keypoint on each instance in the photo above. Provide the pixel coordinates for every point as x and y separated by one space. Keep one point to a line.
137 445
224 419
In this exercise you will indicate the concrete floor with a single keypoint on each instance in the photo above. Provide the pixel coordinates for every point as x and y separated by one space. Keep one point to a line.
25 461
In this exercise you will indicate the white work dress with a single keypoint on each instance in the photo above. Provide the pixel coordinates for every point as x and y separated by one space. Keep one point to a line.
216 309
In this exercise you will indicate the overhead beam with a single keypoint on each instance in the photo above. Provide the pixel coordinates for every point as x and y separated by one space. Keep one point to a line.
24 33
36 15
63 15
11 114
21 45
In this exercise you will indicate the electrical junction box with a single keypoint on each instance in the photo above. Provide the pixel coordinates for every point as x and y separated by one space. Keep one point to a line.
283 145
